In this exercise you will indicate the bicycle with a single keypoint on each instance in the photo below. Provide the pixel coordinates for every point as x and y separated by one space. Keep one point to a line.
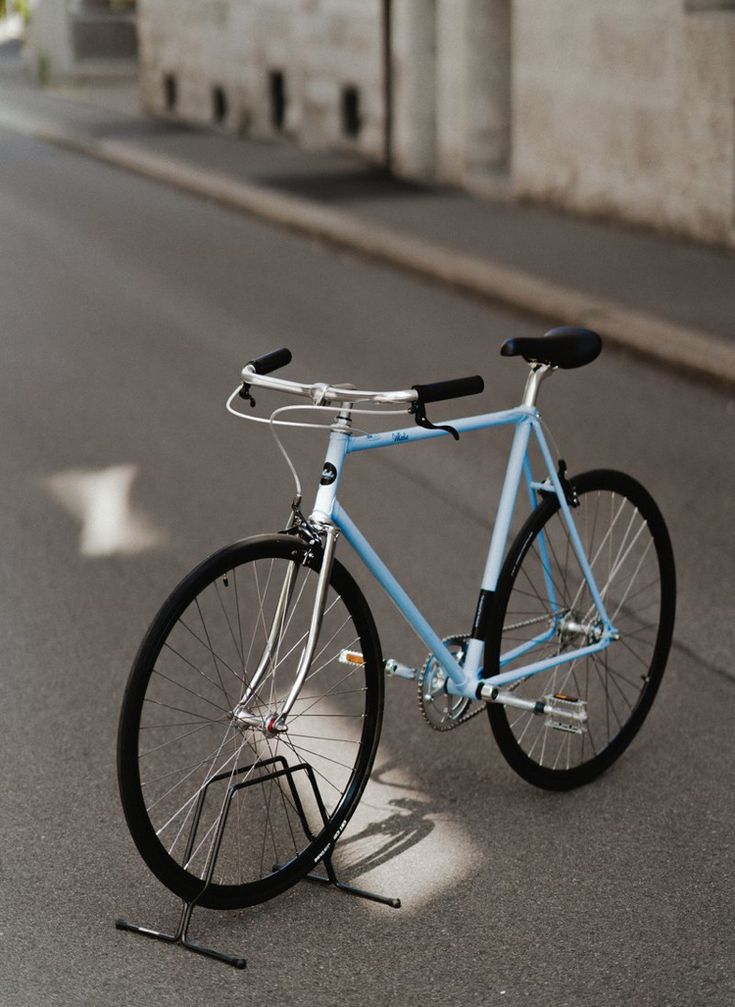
256 696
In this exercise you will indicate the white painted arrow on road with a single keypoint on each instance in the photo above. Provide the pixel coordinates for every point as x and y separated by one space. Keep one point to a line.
100 499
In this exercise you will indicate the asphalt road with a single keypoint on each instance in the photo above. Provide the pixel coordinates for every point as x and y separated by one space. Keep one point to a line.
126 312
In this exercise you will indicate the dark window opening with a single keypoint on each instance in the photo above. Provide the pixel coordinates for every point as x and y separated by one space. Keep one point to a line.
170 95
219 104
351 118
277 82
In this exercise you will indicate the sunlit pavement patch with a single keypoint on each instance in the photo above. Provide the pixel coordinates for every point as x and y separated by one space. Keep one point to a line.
100 500
399 845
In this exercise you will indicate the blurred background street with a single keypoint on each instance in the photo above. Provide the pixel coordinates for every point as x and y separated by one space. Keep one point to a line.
127 308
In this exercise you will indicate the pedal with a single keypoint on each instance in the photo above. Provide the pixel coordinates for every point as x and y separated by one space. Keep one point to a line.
566 713
350 657
391 667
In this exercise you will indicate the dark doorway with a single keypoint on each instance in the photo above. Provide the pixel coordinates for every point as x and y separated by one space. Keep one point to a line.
278 99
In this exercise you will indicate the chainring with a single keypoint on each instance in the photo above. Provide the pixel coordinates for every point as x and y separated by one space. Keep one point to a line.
441 711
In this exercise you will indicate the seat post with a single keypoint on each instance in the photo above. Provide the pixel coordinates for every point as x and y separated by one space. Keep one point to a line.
535 376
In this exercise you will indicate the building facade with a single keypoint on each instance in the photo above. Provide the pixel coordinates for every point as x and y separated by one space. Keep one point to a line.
81 38
611 107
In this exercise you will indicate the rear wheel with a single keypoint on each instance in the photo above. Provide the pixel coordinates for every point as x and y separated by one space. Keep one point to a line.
181 750
542 593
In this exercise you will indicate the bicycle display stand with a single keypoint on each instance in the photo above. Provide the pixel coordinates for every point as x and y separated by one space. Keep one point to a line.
180 936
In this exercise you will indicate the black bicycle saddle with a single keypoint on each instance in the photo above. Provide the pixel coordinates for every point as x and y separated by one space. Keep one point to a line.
565 347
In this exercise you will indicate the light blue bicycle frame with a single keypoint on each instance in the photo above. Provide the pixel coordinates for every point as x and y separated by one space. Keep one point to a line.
465 679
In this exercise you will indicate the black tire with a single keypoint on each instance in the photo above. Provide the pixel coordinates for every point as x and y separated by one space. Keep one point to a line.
177 735
626 540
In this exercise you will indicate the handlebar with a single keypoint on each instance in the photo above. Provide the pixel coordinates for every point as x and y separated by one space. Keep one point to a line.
255 373
270 361
454 389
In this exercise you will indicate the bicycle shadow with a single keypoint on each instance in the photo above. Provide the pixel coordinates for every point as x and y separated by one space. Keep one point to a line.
386 839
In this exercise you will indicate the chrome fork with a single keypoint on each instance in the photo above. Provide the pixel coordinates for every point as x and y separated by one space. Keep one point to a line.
275 721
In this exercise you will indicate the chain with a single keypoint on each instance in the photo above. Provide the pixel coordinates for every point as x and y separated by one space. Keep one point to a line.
437 712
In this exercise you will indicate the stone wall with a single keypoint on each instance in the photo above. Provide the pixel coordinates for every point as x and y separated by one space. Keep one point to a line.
80 38
451 94
613 107
308 70
628 110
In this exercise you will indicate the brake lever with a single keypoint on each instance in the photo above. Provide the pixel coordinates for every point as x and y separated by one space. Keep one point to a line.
246 394
422 420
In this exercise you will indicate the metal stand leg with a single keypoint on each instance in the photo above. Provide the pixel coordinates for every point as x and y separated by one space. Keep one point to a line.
331 879
181 935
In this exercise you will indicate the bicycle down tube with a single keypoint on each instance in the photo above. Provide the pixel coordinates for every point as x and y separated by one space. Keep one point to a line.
464 680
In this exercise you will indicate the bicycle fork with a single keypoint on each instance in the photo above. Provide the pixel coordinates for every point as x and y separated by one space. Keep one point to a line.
274 722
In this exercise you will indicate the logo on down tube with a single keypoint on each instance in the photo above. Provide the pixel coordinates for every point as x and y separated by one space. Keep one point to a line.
329 474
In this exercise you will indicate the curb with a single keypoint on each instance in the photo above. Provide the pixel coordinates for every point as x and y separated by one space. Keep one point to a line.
676 346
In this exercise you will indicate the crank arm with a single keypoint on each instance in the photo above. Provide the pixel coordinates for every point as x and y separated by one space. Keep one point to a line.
558 705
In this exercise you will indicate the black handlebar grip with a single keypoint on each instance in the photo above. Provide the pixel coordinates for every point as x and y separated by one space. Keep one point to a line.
455 389
270 361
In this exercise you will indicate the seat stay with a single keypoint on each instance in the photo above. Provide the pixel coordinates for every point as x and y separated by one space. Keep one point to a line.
576 542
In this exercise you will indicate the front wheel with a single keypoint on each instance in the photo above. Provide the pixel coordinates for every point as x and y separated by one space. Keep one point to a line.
187 740
543 596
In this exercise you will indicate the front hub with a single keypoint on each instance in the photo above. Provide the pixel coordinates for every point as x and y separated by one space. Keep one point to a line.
271 725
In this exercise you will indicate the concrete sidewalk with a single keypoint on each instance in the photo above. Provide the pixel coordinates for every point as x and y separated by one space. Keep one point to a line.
667 299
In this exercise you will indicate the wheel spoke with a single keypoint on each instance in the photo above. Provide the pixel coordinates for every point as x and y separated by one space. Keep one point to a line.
193 755
625 540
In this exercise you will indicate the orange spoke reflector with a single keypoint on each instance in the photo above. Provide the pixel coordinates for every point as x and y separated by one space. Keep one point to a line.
351 657
567 699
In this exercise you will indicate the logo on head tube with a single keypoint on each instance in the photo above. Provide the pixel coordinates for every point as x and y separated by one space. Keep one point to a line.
329 474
